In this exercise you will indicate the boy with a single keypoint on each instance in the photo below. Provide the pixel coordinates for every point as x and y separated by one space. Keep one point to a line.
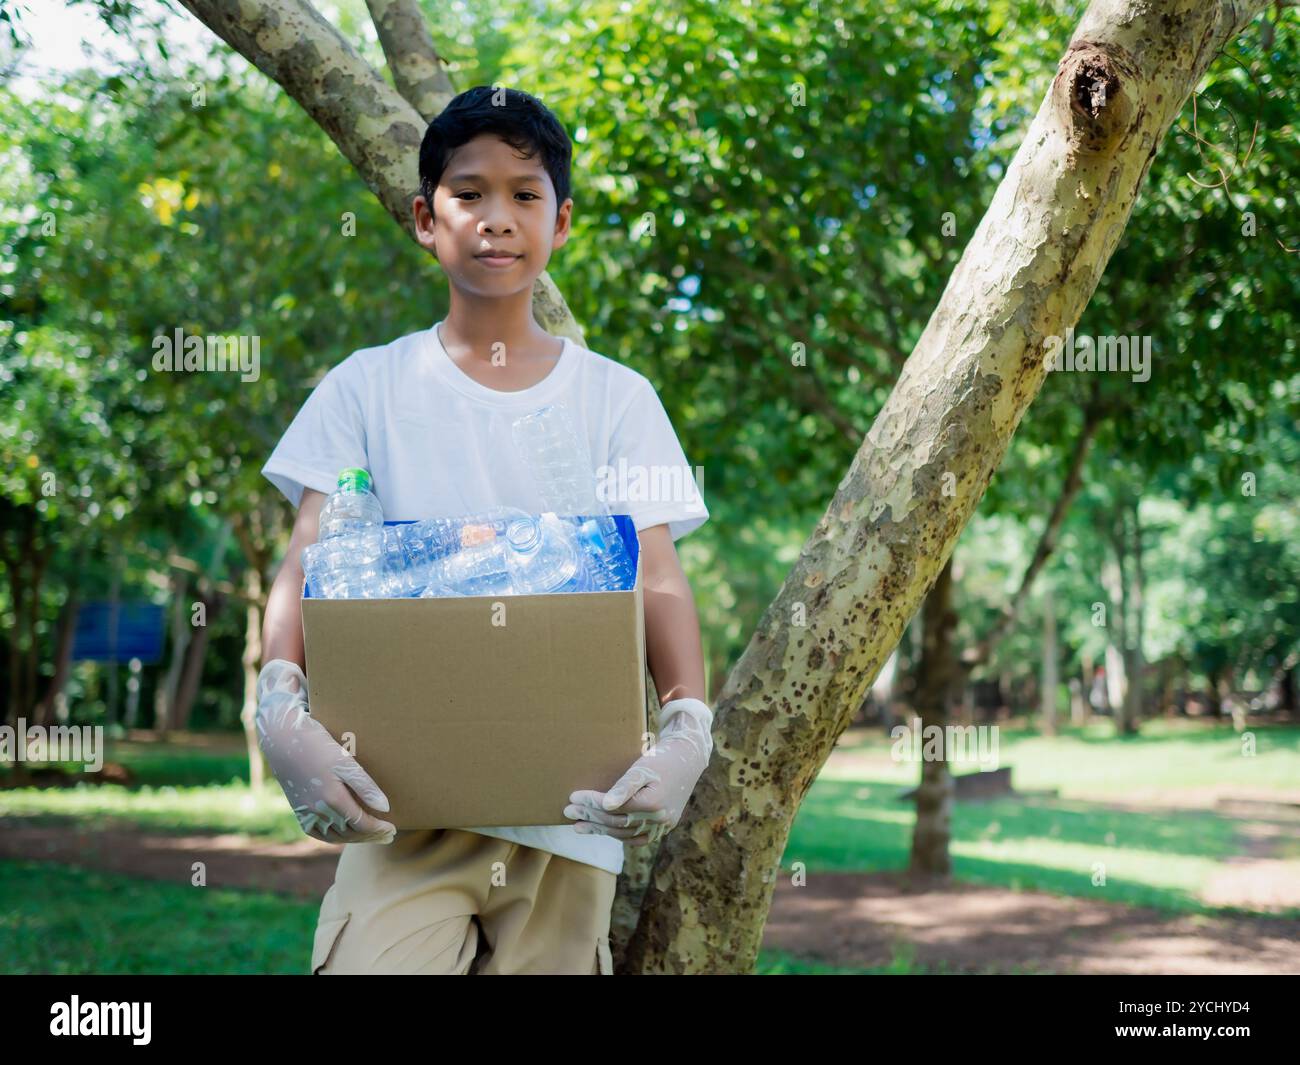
429 415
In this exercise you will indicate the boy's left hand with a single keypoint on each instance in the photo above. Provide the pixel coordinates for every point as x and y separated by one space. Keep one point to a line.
647 801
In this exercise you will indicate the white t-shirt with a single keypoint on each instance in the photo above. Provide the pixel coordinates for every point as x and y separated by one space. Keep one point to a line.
438 444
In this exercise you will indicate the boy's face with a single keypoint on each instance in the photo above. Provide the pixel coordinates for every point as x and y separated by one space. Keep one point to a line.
490 199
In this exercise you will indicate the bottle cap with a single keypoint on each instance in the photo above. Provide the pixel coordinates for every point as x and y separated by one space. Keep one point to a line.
354 479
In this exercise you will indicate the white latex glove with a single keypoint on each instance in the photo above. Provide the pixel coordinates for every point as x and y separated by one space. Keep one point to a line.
647 801
314 771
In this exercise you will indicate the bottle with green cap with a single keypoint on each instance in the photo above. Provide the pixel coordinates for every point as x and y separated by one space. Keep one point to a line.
351 507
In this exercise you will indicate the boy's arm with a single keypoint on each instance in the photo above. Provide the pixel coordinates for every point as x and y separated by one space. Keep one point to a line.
320 779
282 623
672 627
648 800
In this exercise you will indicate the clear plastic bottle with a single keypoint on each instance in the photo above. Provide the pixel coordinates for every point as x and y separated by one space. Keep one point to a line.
512 553
350 558
412 550
467 554
544 557
351 506
560 463
348 565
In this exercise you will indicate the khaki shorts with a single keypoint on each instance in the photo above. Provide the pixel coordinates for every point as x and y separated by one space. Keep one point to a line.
453 902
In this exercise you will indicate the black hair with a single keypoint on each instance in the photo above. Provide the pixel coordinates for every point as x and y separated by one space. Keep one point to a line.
521 120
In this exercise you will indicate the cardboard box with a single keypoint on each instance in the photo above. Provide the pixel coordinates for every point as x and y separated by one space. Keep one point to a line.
483 710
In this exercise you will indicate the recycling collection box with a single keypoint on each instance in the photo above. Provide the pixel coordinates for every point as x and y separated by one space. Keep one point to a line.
485 710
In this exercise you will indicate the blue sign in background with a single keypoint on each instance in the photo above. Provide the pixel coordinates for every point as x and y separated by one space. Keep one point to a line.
138 632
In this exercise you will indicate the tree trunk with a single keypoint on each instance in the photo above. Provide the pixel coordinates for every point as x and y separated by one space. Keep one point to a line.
415 63
1027 274
40 557
1287 680
24 592
164 711
1135 667
1115 580
1051 675
637 863
1087 681
1078 704
1116 684
114 598
937 671
1214 692
195 658
52 706
251 657
133 693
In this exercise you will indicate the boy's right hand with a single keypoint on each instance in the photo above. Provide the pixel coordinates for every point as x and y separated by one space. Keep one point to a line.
314 771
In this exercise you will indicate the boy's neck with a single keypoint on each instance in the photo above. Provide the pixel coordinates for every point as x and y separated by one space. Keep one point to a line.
473 329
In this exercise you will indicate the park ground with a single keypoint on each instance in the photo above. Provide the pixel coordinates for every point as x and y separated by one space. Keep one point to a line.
1177 851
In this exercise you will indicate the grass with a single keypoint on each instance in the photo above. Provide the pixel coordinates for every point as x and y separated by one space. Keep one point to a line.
65 920
70 921
216 808
852 820
1092 763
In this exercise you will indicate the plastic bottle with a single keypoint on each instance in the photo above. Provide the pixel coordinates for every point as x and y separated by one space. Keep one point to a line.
512 553
347 566
560 463
468 557
348 561
544 557
351 506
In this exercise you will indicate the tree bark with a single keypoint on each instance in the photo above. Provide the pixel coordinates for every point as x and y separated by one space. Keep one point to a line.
414 61
1027 274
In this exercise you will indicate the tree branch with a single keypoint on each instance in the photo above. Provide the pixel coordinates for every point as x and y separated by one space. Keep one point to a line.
290 42
413 59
